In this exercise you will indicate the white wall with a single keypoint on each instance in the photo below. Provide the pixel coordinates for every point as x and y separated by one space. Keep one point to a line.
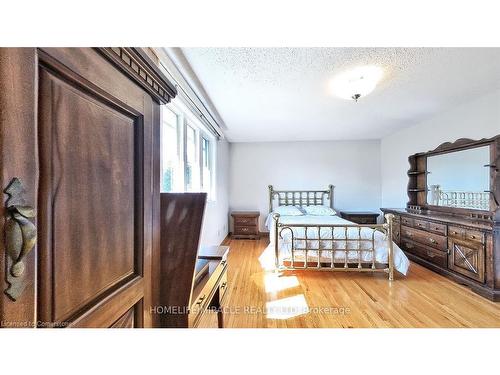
352 166
477 119
215 221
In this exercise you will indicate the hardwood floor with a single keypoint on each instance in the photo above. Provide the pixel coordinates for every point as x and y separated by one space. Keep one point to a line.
259 297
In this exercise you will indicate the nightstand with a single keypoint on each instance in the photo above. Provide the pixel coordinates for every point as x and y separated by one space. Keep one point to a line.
360 217
246 224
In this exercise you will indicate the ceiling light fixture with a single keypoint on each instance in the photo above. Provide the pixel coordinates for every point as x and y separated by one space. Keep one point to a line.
357 82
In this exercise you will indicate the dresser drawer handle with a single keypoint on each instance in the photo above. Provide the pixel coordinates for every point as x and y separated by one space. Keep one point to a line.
409 246
472 237
223 285
419 225
200 300
453 232
409 234
244 229
432 240
430 255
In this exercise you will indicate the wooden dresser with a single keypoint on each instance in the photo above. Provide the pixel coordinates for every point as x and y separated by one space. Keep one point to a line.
246 224
461 243
209 293
449 245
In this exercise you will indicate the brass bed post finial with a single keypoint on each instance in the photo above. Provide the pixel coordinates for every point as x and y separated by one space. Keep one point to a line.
276 218
330 188
270 187
389 218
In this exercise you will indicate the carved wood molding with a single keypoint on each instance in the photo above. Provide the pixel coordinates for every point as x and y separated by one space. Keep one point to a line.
459 144
139 67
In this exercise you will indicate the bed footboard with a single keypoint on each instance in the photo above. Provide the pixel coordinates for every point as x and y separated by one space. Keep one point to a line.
350 247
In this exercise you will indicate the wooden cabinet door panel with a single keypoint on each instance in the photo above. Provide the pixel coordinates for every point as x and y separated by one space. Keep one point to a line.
94 212
80 129
91 198
467 258
87 184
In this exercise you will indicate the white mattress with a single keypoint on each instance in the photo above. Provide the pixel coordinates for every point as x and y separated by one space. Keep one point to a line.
401 262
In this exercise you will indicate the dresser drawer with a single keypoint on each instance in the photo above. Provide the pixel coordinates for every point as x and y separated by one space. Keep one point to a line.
396 232
421 224
245 221
437 228
437 257
407 221
203 294
223 287
245 229
426 238
466 234
456 232
474 235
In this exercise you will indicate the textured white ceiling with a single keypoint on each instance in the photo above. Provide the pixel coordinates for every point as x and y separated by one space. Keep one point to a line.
272 94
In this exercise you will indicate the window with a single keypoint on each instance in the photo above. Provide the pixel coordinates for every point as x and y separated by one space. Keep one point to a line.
187 153
206 169
192 181
171 167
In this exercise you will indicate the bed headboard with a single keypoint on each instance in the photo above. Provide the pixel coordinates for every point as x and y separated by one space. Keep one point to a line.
300 197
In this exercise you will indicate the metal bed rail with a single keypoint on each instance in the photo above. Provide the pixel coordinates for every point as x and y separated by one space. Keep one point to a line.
333 244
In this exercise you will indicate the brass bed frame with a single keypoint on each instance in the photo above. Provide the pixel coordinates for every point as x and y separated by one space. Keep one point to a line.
320 197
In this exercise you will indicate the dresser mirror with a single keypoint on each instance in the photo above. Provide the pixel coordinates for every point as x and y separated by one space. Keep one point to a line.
460 179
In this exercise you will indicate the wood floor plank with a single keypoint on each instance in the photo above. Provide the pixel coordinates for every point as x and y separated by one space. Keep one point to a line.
258 297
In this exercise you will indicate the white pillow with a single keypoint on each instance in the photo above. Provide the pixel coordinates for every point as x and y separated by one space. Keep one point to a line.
319 210
288 211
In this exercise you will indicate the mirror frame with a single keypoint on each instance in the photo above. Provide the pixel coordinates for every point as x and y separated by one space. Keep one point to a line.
418 197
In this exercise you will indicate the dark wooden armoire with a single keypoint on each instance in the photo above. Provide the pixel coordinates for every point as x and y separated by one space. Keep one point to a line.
80 162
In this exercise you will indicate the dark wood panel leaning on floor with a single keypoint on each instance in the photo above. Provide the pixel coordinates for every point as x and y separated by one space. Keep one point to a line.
461 243
258 297
79 129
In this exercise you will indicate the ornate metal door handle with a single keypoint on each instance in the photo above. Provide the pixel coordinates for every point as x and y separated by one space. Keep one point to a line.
20 237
